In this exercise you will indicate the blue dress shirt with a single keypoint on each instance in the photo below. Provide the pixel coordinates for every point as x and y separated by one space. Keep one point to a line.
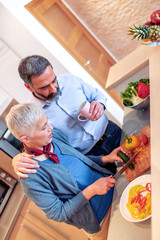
62 113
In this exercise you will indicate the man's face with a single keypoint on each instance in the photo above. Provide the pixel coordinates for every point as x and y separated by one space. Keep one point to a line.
45 85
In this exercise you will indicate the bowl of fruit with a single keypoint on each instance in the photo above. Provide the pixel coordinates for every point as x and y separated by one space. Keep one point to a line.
137 95
149 32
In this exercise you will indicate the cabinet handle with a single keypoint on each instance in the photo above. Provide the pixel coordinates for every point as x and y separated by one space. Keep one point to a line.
57 235
87 63
34 232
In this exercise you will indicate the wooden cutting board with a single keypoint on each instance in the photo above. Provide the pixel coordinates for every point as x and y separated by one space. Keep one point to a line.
142 162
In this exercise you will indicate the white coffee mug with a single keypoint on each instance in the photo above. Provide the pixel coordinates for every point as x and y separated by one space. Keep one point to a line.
84 114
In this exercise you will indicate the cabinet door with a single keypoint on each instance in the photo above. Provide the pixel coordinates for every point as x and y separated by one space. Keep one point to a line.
6 163
73 36
28 231
33 224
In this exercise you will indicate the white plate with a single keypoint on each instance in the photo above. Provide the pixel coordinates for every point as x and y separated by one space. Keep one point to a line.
142 180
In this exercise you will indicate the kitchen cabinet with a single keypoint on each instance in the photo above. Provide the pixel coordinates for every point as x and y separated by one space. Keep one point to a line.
73 36
32 224
144 57
15 202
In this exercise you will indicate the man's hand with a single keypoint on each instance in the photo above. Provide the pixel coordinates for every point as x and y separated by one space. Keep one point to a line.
99 187
97 110
112 157
23 164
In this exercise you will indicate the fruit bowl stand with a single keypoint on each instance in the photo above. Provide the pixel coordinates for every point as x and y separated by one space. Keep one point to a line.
149 43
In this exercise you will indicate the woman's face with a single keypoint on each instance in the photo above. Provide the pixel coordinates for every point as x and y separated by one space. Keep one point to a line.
42 134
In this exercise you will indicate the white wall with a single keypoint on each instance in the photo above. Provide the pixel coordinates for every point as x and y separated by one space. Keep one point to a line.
21 41
26 36
17 42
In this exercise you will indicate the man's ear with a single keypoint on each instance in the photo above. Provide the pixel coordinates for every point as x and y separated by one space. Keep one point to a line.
24 139
28 87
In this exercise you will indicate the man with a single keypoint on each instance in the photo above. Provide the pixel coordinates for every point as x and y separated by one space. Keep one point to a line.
61 98
68 186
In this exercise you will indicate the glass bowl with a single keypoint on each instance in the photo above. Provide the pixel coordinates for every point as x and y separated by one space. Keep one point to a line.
142 106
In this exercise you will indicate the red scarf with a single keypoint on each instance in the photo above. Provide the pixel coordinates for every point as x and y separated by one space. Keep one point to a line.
38 152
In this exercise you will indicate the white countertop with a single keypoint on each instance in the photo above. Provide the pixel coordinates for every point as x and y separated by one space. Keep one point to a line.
128 67
119 228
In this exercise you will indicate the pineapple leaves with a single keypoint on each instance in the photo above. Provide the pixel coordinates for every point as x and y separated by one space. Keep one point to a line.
139 32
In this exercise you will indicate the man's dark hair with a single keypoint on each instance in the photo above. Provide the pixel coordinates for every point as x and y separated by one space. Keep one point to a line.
32 66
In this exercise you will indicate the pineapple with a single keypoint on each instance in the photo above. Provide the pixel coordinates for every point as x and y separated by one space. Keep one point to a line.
151 33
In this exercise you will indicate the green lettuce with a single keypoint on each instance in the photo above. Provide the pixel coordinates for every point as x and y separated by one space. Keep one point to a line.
130 93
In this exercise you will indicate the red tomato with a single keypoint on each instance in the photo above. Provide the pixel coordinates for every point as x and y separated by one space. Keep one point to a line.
155 17
145 139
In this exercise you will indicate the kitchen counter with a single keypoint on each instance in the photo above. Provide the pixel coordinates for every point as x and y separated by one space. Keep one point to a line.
144 62
11 212
119 228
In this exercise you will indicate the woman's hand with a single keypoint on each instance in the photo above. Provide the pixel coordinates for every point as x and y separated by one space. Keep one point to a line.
99 187
23 164
112 157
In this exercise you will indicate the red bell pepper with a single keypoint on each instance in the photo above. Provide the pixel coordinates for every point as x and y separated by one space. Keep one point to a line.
143 90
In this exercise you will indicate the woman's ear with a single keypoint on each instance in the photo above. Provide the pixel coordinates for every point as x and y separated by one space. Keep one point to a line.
24 139
28 87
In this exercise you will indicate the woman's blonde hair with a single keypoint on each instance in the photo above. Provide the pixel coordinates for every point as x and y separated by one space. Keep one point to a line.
22 118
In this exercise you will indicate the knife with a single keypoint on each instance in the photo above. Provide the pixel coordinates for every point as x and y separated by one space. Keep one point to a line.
125 167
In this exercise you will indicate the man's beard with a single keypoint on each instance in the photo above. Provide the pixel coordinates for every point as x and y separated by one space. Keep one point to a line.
50 98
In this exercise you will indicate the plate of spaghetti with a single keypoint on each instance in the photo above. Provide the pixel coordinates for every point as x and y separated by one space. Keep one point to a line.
135 202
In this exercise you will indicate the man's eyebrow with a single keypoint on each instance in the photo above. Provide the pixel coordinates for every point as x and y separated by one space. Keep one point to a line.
49 84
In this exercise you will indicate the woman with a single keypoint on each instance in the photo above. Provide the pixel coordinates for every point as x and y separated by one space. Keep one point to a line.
68 186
